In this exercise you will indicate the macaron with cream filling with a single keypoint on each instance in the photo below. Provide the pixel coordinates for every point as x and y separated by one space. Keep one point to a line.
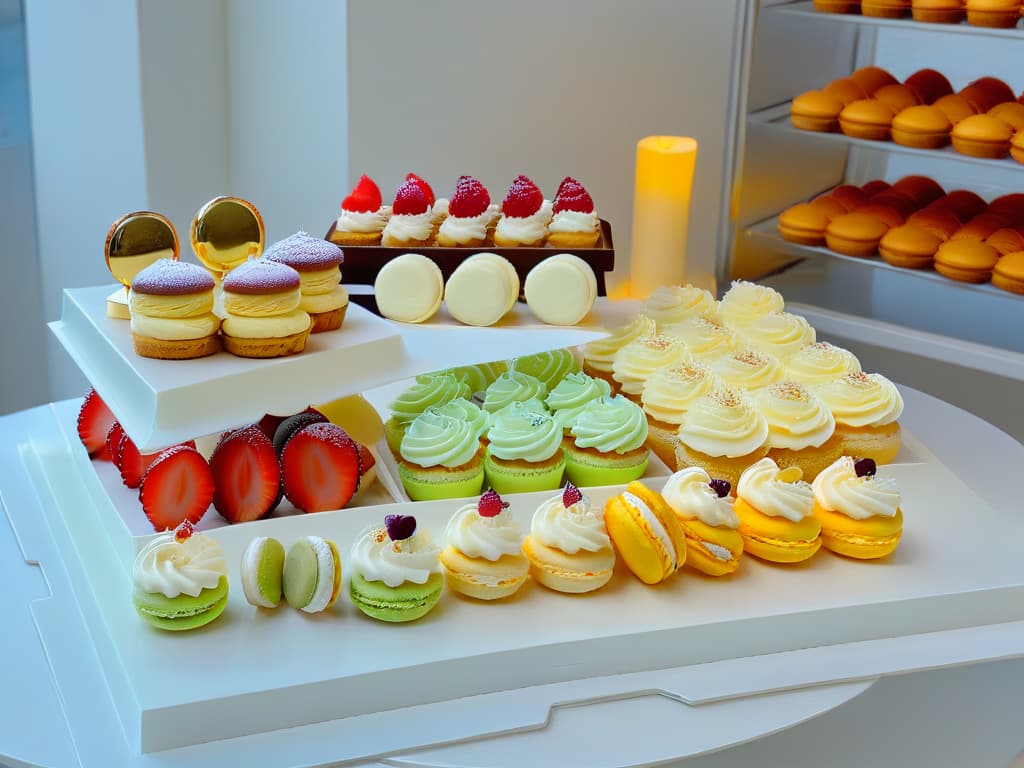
561 289
263 313
483 555
171 311
646 533
409 288
705 511
859 511
312 574
318 263
775 509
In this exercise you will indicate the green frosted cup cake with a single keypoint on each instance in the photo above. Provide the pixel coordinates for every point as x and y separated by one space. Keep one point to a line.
572 394
609 443
430 389
480 376
525 451
440 458
549 367
513 387
396 571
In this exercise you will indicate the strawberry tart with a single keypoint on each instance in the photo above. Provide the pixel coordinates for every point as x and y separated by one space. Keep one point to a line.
469 216
574 223
524 216
362 217
410 224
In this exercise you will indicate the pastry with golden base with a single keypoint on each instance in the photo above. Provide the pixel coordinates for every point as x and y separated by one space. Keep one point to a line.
264 317
574 223
599 356
775 511
318 263
171 310
666 396
362 217
568 546
705 511
866 407
1008 273
801 429
982 136
411 223
969 261
911 246
524 216
469 217
483 555
646 532
723 433
859 512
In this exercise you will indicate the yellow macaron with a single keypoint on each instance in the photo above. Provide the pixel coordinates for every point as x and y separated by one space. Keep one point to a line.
705 511
775 511
646 533
859 513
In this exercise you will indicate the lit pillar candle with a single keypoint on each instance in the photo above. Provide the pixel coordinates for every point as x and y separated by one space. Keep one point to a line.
661 211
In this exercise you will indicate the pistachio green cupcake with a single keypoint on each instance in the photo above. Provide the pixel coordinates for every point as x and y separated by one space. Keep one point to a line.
571 395
609 443
480 376
524 451
513 387
466 410
430 389
549 367
440 457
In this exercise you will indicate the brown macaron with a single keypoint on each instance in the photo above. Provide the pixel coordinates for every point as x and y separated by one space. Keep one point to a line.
849 196
872 188
985 92
968 261
928 85
923 190
964 203
942 221
1011 206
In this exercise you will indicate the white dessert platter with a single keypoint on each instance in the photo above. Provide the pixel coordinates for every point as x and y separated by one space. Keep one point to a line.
163 402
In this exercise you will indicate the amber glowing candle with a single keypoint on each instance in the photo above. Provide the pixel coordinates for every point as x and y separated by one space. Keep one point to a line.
661 212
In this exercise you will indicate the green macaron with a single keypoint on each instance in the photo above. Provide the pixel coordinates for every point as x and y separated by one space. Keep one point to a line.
312 574
184 611
406 602
263 571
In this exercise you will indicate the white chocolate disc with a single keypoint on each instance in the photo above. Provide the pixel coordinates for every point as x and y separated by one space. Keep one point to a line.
481 290
408 288
561 289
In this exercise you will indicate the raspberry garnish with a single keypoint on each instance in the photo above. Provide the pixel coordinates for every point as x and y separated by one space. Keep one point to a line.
721 487
524 199
490 504
865 467
410 200
364 198
184 531
571 196
470 199
428 192
571 495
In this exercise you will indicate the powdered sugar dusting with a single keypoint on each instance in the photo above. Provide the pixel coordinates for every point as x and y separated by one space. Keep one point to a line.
258 276
305 253
169 277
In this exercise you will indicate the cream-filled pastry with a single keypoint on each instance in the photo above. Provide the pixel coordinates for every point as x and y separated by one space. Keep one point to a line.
263 314
318 264
171 311
635 362
672 304
801 428
866 407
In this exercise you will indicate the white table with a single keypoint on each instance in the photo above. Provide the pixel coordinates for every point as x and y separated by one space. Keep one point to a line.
969 715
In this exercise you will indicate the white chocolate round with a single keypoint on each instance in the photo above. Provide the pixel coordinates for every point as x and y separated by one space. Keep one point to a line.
481 291
409 288
561 289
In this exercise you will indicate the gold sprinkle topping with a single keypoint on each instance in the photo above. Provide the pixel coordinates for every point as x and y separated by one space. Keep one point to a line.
859 379
380 535
727 398
788 390
821 346
687 372
657 341
751 358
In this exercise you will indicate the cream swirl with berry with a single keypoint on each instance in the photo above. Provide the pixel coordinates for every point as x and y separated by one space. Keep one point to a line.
410 216
820 363
723 423
434 439
600 354
796 418
610 424
746 303
524 215
573 221
173 565
484 529
636 361
771 492
396 553
862 400
691 495
670 391
521 432
567 522
840 487
672 304
469 213
361 211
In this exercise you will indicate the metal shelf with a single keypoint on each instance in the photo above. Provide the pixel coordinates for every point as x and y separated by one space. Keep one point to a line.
963 28
777 118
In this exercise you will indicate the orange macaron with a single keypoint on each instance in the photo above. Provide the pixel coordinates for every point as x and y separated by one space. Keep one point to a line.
1001 14
938 11
955 107
1006 240
849 196
928 85
985 92
982 136
921 127
803 223
846 90
830 206
1011 112
815 111
866 119
969 261
942 221
911 246
896 97
980 227
855 234
1017 146
1008 273
872 78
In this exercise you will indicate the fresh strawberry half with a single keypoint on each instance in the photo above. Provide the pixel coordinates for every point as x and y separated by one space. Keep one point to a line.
364 198
178 486
470 199
320 468
246 476
366 460
113 442
422 184
524 199
133 464
293 424
572 196
94 423
409 200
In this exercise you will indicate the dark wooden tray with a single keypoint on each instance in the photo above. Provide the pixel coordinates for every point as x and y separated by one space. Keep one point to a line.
362 262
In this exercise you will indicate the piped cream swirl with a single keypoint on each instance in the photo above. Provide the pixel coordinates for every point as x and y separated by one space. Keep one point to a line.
838 489
569 529
724 423
690 495
670 391
600 354
669 304
820 363
636 361
376 557
434 439
746 303
761 487
862 400
487 537
174 568
796 418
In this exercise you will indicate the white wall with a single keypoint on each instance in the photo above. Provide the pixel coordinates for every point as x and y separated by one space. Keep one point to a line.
546 89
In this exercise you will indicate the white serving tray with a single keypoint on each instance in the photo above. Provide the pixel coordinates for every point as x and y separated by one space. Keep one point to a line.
162 402
254 671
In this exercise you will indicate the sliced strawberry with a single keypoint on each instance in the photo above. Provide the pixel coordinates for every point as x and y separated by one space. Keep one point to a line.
178 486
366 460
293 424
268 424
320 468
470 199
133 464
409 200
524 199
94 423
113 441
422 184
246 474
364 198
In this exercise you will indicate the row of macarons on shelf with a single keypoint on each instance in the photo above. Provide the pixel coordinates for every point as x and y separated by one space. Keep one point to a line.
915 224
468 219
398 571
980 13
984 119
717 385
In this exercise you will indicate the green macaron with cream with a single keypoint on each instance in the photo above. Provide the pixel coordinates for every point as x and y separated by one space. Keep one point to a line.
263 571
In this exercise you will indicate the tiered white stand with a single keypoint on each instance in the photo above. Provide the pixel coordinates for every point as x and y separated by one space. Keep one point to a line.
743 657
